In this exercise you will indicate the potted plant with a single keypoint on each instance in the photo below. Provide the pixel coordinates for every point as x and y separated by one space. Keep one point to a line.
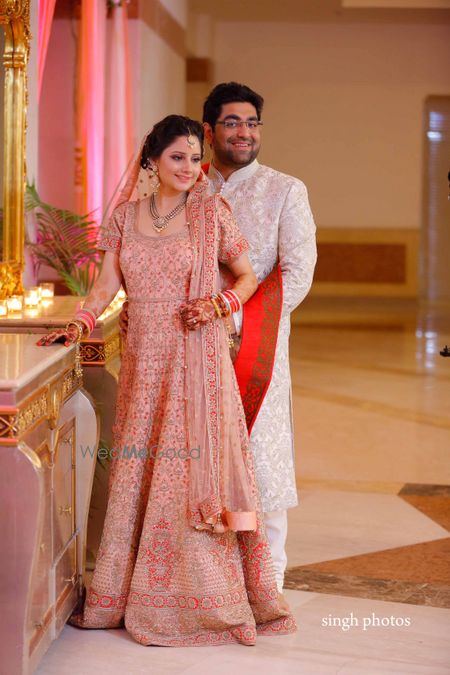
65 241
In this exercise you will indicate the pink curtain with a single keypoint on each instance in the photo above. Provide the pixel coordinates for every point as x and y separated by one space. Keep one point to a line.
46 11
90 102
119 109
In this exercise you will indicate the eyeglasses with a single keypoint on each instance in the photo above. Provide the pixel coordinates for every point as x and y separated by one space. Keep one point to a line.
251 125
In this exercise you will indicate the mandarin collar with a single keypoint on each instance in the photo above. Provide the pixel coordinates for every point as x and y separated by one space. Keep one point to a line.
236 177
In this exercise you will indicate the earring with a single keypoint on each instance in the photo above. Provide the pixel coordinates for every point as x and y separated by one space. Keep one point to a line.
154 178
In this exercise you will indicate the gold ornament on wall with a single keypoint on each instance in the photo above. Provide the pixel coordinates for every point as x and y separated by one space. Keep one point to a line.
15 20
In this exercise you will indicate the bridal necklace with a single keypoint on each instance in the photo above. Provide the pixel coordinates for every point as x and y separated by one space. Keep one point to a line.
159 222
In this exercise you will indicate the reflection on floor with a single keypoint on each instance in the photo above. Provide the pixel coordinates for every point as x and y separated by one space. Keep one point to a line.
368 549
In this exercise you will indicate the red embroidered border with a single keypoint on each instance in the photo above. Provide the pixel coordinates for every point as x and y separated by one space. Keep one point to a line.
192 602
106 601
237 248
254 362
246 635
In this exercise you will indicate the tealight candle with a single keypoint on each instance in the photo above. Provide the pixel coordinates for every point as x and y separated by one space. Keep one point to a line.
14 303
31 312
47 290
3 308
31 296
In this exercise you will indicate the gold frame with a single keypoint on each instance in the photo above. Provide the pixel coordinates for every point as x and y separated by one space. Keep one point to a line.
15 19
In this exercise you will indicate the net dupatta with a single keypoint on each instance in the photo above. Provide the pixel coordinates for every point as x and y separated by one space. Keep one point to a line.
220 489
136 184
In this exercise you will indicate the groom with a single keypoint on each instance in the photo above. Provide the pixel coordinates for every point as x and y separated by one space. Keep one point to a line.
273 213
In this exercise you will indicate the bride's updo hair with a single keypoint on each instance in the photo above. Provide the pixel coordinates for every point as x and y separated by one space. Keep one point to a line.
165 132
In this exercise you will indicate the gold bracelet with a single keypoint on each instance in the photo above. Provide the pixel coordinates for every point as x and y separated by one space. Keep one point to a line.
79 326
224 308
216 307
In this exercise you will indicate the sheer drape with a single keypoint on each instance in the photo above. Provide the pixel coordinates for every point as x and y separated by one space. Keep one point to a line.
46 11
90 108
119 109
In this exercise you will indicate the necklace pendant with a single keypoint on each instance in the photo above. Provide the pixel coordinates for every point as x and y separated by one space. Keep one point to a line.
160 223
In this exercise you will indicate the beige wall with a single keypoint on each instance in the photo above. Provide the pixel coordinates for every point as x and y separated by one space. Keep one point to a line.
344 108
56 140
177 8
159 78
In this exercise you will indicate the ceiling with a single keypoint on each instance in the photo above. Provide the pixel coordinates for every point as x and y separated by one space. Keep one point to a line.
383 11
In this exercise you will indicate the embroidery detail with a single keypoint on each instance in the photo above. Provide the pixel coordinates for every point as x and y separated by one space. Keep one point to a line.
160 556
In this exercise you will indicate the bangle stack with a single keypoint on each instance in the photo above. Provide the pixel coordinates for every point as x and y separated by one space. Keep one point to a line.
233 299
225 303
79 325
221 308
87 318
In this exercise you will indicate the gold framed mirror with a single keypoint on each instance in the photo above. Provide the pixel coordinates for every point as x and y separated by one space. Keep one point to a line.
15 21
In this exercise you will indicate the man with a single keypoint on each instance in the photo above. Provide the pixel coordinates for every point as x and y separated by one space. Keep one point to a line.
273 213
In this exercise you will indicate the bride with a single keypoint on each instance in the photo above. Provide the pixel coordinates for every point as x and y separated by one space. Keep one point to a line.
183 558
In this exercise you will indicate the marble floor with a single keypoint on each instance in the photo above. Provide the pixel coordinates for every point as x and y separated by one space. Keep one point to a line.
369 547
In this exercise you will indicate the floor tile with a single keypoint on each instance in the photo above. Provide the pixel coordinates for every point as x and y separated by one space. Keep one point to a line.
335 524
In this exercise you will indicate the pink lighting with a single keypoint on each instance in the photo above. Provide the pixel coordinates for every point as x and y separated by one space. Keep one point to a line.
90 108
119 115
46 11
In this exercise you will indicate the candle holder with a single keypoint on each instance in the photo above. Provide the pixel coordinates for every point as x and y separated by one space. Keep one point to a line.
32 297
3 308
47 290
31 312
14 303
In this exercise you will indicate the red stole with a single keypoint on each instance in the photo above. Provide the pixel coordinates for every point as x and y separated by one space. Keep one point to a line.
254 363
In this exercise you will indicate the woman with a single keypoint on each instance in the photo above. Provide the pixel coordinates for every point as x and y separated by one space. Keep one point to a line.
183 558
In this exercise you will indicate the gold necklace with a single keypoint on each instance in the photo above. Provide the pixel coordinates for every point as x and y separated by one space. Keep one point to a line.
159 222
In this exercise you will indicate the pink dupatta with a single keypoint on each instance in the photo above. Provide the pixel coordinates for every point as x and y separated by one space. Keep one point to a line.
220 495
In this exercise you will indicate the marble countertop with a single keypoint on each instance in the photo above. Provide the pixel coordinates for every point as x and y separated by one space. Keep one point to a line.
56 312
21 360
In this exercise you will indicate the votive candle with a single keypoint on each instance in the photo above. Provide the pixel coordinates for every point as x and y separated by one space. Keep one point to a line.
14 303
47 289
31 296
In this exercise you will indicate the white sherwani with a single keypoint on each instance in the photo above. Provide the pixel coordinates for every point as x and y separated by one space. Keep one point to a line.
273 213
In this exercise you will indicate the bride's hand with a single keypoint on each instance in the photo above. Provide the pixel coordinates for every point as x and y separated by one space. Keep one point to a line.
195 313
67 336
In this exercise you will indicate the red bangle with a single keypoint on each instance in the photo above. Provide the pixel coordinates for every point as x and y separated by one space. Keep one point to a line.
87 318
233 299
89 313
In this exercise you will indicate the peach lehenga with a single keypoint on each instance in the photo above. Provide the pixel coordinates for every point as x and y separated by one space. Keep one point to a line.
162 571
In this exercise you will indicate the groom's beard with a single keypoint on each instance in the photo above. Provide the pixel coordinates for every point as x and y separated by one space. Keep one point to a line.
229 155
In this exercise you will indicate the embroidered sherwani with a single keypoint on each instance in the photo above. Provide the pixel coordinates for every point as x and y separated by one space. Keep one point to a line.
273 213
